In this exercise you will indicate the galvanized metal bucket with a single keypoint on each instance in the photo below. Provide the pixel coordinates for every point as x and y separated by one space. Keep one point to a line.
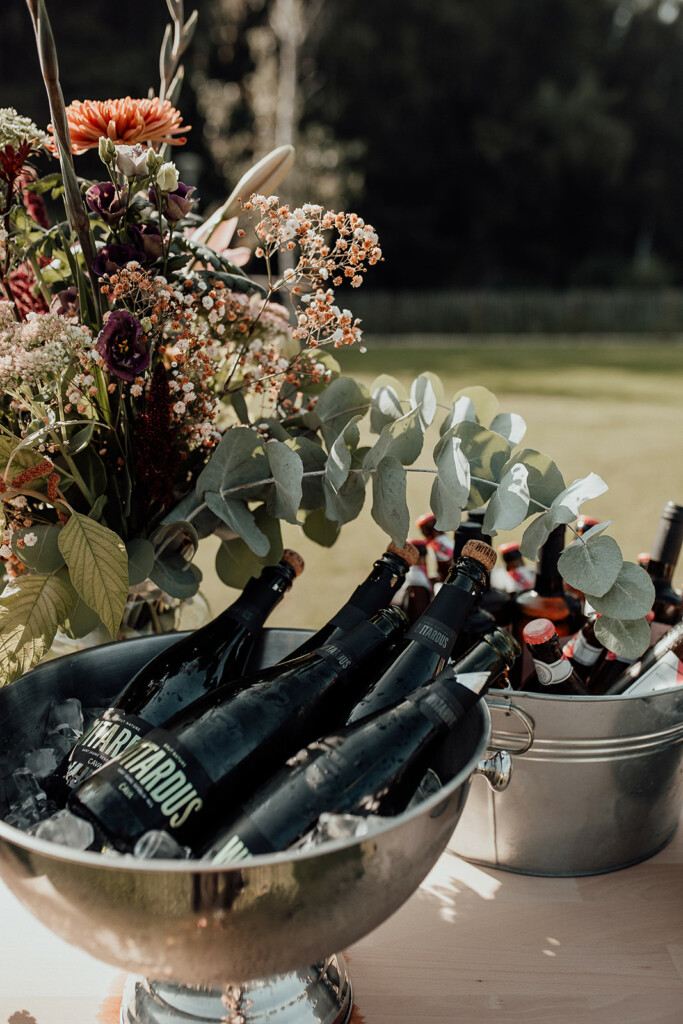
597 784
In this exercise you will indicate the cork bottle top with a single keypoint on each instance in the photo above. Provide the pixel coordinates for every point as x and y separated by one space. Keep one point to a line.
481 552
294 559
408 553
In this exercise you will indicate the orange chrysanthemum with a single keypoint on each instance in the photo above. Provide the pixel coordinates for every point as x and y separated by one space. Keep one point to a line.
124 121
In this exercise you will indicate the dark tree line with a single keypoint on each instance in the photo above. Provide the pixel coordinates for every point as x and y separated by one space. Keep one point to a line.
500 143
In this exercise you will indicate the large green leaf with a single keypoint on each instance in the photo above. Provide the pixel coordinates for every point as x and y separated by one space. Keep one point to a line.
591 565
44 555
286 467
339 403
484 401
98 567
389 505
320 529
386 403
239 460
509 504
630 597
19 457
141 559
544 478
345 504
401 439
32 608
463 411
627 638
237 515
338 463
487 453
510 425
236 562
451 486
313 459
176 577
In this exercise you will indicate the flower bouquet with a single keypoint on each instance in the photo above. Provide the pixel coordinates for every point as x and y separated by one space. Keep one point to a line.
154 393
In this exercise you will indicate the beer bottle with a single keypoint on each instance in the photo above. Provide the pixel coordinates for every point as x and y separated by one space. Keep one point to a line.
553 672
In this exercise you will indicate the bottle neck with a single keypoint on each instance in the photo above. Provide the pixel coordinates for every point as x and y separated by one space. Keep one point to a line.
260 596
347 651
549 582
666 547
439 626
375 592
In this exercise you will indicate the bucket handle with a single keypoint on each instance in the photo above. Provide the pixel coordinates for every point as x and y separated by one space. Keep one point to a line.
527 721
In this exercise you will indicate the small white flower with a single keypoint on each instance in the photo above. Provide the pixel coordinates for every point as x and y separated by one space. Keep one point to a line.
167 177
135 390
30 539
5 551
179 408
207 302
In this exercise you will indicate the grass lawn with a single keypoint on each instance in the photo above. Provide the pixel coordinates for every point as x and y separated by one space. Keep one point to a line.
610 407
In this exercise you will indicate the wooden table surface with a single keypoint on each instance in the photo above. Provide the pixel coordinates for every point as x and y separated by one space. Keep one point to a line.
472 946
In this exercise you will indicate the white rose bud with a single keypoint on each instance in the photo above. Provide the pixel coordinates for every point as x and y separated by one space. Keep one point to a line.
167 177
146 324
154 161
132 160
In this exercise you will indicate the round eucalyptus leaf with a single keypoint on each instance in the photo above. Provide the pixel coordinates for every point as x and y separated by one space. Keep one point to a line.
320 529
627 638
591 565
140 560
630 596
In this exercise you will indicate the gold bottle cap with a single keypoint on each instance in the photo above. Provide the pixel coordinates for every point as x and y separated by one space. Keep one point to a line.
408 553
481 552
294 559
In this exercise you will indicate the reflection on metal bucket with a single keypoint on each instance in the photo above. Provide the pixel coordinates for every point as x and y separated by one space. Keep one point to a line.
598 784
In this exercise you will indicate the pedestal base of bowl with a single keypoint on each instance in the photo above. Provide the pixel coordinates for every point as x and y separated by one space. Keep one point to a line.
320 994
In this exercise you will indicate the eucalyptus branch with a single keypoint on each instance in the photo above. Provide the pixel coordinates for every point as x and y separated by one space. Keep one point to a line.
78 218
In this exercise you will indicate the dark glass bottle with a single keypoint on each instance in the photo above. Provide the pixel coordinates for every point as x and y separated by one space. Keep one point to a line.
520 575
185 777
415 593
585 651
373 767
553 673
660 668
430 640
186 670
664 553
375 592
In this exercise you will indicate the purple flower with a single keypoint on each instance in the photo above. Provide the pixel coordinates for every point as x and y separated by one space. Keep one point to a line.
174 205
112 257
65 303
104 200
147 239
120 345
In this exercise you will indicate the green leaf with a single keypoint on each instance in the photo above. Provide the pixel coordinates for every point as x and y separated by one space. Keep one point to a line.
511 426
402 440
238 460
313 460
176 538
339 403
204 522
98 567
535 535
486 453
484 401
423 398
463 411
79 439
24 458
597 529
389 505
509 504
236 562
176 577
630 597
239 404
320 529
591 564
573 496
287 471
544 478
141 558
627 639
32 608
386 407
451 487
237 515
44 556
338 463
344 505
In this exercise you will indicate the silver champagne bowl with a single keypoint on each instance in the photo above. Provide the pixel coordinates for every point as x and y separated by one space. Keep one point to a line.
247 943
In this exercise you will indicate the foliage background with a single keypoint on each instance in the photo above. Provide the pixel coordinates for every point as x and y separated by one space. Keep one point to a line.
498 144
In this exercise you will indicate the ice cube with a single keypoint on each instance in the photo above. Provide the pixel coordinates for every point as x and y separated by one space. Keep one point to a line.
65 712
65 828
339 826
159 845
41 762
28 803
62 740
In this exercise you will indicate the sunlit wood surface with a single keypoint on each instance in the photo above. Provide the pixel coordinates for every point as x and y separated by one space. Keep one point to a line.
472 945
